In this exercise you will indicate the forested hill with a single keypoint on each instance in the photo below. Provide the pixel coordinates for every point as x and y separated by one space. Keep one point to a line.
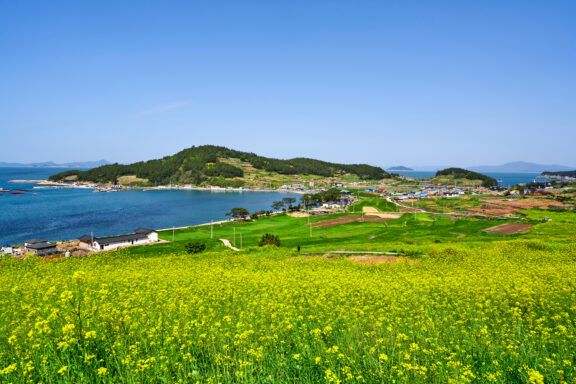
459 173
215 165
560 173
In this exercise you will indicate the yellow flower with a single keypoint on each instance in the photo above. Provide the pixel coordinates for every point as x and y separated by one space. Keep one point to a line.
9 369
102 371
63 370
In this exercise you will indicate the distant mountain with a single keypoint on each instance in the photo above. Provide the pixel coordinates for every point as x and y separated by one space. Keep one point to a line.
51 164
399 168
520 167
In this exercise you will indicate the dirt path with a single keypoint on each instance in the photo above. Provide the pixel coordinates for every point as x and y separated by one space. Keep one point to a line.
366 259
227 244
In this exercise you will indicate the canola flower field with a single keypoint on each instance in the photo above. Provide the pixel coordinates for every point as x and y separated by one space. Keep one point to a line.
501 314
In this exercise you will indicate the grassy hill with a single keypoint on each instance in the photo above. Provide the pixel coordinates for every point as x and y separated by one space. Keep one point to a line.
463 177
225 167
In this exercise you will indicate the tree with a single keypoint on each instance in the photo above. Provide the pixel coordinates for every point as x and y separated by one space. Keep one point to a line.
237 213
269 239
288 201
195 247
277 205
306 199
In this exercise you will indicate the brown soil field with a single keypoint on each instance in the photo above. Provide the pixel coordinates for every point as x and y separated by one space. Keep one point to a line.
501 207
350 219
509 228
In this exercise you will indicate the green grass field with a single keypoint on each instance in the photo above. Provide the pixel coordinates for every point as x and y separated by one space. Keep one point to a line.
412 234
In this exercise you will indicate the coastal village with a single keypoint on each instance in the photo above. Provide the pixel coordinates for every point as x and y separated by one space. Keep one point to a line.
407 193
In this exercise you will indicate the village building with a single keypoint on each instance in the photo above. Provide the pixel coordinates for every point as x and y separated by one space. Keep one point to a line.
40 247
140 236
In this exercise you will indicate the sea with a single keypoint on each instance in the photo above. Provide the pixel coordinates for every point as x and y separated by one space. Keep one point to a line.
64 214
505 179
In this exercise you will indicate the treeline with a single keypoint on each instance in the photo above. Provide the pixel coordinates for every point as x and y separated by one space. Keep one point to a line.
200 164
460 173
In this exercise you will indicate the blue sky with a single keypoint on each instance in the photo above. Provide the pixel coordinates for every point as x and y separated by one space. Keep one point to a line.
380 82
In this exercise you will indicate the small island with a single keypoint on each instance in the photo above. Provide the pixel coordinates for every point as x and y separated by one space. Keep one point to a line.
399 168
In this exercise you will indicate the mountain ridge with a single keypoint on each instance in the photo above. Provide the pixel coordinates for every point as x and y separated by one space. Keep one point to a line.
51 164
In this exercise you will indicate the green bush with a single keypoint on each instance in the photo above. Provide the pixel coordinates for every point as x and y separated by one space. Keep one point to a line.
195 247
269 239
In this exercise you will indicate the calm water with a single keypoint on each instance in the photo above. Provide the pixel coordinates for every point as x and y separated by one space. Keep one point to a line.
508 179
57 214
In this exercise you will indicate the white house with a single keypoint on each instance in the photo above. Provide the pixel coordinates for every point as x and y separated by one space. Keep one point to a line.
140 236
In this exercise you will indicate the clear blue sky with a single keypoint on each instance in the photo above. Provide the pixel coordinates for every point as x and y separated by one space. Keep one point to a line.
380 82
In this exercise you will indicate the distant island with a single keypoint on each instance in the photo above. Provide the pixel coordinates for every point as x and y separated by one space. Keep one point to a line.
520 167
559 174
51 164
399 168
220 166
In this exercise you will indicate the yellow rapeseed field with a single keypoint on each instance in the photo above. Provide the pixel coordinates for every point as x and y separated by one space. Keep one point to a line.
504 314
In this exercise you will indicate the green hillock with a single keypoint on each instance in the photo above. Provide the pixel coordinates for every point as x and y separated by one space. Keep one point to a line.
460 173
208 163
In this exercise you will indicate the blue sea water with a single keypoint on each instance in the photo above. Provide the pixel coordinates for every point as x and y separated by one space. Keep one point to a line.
60 214
508 179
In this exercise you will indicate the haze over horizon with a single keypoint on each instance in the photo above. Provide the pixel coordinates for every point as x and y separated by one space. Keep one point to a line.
395 83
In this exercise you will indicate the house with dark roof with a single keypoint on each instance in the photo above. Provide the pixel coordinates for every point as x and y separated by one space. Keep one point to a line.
40 247
33 241
140 236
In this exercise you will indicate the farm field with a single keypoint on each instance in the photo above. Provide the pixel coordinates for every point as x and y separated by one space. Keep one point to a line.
413 234
500 314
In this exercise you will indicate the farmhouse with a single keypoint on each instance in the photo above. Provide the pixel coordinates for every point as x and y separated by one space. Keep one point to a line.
140 236
40 247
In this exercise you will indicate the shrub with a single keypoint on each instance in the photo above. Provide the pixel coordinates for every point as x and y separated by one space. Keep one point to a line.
195 247
269 239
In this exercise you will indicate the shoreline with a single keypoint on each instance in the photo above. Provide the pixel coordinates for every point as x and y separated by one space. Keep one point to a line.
44 184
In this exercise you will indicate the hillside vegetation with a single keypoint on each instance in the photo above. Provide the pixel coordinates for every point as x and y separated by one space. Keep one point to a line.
459 173
560 173
218 166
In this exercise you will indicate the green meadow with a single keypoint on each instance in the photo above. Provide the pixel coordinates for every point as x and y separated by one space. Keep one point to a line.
411 234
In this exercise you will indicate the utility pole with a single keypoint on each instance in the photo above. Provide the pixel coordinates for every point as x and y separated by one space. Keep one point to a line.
234 236
91 242
309 225
172 233
211 229
240 240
